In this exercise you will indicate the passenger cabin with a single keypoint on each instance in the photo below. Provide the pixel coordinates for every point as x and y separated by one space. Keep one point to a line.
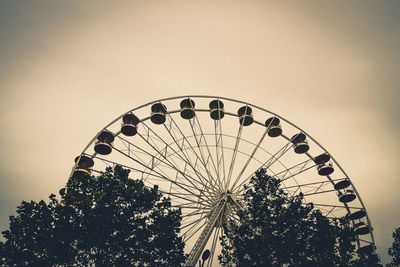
129 124
300 143
357 215
103 145
274 128
361 228
346 196
84 165
245 114
325 169
342 184
366 250
158 112
187 108
216 109
323 158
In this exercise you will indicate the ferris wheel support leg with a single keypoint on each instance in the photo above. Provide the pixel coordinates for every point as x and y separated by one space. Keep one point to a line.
205 235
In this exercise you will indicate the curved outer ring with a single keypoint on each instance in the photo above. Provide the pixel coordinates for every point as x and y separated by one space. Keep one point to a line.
251 105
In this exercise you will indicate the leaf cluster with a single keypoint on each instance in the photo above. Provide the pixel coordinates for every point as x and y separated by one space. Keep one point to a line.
281 230
109 220
394 250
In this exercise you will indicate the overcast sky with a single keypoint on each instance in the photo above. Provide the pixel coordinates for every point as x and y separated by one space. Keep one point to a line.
67 68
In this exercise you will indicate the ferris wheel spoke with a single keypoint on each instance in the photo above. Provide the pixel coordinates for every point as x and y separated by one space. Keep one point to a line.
315 192
295 170
111 163
185 197
191 206
165 178
195 213
314 185
184 175
233 216
154 159
154 166
180 146
235 150
332 210
309 188
154 146
249 159
219 150
337 206
190 224
192 219
191 201
199 146
173 127
278 155
196 125
194 229
267 164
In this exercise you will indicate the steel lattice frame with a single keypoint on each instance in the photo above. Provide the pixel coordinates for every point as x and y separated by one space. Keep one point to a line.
200 162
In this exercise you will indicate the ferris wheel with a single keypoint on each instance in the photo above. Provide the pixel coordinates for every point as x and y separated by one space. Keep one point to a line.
201 150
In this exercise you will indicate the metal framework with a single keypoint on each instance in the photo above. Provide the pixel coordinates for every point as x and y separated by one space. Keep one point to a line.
202 163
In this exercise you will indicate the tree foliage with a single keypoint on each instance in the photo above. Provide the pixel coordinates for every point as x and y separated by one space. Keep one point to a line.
394 250
109 220
281 230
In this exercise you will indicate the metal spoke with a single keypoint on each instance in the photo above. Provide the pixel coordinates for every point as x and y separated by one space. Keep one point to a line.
219 150
191 147
185 175
196 231
320 192
202 137
154 164
234 155
267 164
192 225
166 178
196 212
188 163
249 159
295 170
199 146
163 174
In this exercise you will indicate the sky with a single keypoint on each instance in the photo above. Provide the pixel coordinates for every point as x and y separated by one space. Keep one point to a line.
67 68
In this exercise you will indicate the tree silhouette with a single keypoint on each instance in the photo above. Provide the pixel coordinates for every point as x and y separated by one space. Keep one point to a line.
394 251
109 220
281 230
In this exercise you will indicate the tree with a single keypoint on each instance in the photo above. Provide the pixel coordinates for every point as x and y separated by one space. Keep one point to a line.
281 230
109 220
394 251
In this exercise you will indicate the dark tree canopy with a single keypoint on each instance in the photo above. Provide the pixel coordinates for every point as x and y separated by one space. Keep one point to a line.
281 230
109 220
394 251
